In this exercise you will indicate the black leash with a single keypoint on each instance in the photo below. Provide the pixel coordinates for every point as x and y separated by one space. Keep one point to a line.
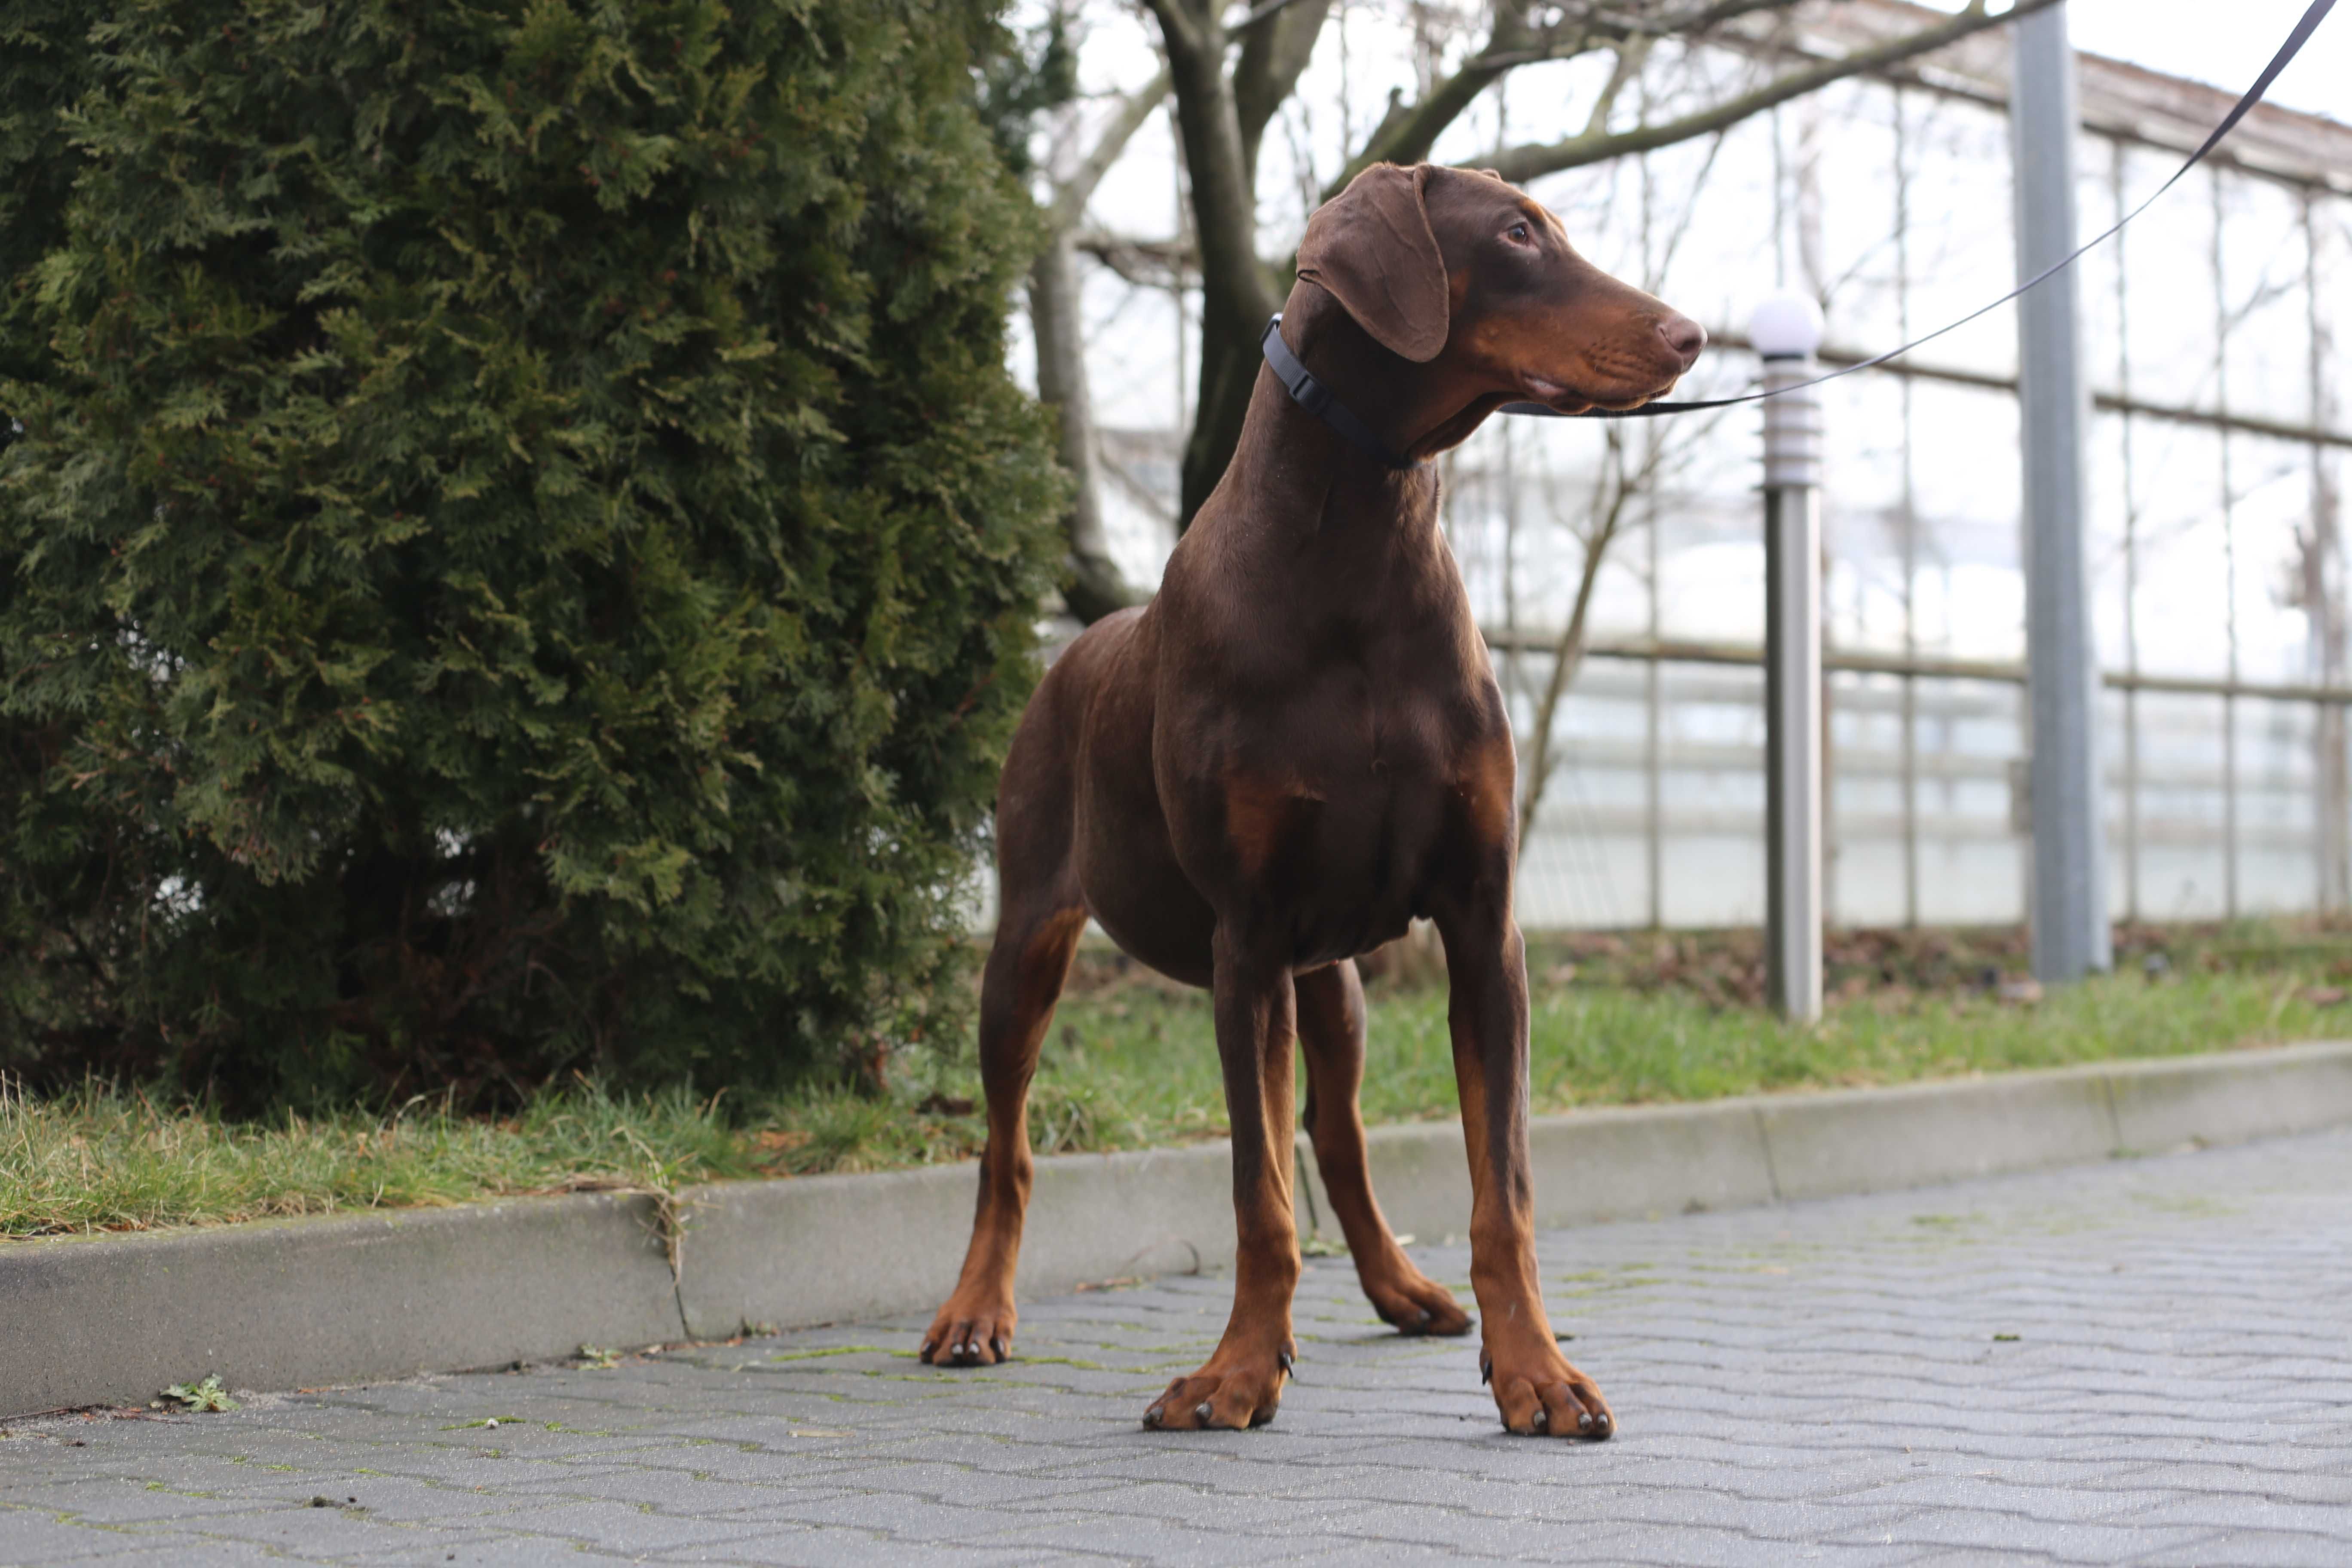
1333 412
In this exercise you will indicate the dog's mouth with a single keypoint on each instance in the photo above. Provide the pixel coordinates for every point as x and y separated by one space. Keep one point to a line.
1573 400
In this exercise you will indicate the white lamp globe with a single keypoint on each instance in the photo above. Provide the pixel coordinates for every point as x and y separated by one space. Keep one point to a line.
1786 326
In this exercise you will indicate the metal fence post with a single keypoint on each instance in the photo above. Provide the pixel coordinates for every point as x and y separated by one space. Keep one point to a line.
1786 331
2069 898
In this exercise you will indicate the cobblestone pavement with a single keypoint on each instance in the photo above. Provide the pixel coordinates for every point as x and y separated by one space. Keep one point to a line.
2145 1362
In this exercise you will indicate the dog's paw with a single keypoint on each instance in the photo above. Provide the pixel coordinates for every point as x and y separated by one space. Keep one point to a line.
1413 1303
1539 1394
1233 1391
965 1335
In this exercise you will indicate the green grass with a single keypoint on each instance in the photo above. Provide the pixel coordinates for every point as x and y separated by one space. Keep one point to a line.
1151 1053
1132 1063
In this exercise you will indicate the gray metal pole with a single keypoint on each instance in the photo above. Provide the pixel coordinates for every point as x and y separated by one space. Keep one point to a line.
2070 877
1792 690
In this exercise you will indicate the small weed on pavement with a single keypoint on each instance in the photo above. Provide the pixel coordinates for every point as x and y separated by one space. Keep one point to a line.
197 1398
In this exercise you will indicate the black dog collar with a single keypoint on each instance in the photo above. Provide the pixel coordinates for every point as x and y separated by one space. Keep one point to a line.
1316 399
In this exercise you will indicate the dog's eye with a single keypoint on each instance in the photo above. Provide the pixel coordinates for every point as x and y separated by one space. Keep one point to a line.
1519 233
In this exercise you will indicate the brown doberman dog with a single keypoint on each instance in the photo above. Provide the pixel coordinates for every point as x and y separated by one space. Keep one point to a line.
1294 751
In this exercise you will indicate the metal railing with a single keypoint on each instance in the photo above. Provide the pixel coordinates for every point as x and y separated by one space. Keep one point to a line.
2172 790
1856 662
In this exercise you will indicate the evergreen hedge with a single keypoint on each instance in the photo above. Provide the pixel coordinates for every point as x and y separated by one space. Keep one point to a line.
519 552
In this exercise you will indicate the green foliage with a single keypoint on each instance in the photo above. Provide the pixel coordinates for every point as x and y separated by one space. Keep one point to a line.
39 76
522 551
1021 77
197 1398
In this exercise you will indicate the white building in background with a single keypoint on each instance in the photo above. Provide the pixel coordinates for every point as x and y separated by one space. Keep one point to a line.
2224 420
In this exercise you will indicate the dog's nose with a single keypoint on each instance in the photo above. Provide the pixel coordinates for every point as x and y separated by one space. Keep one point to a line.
1685 336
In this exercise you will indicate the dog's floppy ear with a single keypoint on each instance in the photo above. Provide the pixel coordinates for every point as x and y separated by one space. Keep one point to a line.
1371 247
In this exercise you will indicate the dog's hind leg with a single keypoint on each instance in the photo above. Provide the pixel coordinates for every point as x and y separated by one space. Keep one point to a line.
1331 1033
1026 966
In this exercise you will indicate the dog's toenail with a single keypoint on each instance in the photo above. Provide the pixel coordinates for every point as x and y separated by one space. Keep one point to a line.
1584 1420
1422 1320
1201 1413
1287 1359
1543 1421
1001 1349
1486 1369
1154 1416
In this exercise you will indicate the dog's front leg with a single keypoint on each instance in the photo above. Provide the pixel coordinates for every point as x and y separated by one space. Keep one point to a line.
1535 1388
1256 1038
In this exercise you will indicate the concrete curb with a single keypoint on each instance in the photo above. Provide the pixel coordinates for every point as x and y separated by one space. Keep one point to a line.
281 1305
285 1304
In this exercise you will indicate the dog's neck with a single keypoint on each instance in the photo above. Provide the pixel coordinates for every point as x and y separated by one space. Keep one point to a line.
1301 476
1418 411
1299 490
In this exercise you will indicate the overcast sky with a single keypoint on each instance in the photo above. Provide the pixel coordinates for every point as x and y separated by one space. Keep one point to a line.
2179 38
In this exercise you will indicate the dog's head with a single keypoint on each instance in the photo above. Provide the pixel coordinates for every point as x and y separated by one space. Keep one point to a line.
1460 271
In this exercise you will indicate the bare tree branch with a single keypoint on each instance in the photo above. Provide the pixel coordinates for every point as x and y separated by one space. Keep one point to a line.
1407 132
1178 26
1236 293
1138 491
1691 23
1258 14
1146 263
1520 165
1631 57
1267 70
1094 587
1222 114
1614 490
1072 194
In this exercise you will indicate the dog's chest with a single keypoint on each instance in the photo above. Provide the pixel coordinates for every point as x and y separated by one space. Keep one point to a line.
1340 808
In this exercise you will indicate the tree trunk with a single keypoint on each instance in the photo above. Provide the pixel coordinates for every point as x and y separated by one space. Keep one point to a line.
1236 295
1096 587
1228 376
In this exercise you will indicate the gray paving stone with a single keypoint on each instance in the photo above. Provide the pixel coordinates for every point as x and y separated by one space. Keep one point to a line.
195 1554
825 1548
519 1552
113 1501
1158 1542
29 1535
2224 1511
2013 1535
1684 1547
2253 1549
1815 1382
1378 1525
326 1533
